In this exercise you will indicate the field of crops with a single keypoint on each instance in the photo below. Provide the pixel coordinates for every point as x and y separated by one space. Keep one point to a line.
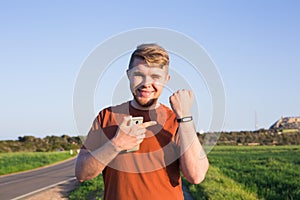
21 161
237 172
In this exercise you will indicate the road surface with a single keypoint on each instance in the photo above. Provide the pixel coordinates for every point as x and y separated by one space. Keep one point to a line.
18 185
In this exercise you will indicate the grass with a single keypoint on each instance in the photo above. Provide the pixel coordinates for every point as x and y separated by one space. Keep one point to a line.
290 130
22 161
92 189
219 186
272 172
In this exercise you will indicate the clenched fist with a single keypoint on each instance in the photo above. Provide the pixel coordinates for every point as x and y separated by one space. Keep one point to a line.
181 103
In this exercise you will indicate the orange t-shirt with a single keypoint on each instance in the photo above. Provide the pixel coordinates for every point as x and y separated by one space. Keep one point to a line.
153 171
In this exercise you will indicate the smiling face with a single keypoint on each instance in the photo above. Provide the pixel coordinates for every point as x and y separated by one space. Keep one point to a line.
146 83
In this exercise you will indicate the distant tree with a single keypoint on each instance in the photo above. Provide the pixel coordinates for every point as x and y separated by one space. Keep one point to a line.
27 139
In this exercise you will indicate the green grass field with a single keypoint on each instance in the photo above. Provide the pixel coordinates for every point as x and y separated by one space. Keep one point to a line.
22 161
272 172
236 172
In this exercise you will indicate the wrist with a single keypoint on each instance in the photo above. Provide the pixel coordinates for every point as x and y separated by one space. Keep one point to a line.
117 147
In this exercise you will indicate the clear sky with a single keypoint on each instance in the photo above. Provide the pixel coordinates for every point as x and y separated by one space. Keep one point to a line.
254 44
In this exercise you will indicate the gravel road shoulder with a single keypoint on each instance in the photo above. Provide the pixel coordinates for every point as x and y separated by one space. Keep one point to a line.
58 192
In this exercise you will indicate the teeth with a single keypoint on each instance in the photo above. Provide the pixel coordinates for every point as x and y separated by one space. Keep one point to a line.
145 93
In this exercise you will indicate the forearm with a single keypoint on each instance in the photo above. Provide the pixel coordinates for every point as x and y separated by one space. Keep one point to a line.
193 160
90 164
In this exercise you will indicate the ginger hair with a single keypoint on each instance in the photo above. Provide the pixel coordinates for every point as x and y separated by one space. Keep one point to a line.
152 54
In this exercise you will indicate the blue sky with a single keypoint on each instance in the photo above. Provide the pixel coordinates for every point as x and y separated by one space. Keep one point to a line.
254 44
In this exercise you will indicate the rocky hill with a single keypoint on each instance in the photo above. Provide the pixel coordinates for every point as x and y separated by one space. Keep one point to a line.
285 123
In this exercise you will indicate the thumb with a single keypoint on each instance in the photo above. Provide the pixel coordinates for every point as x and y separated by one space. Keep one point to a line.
126 120
150 123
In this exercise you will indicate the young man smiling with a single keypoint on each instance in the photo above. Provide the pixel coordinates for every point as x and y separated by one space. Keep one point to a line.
167 139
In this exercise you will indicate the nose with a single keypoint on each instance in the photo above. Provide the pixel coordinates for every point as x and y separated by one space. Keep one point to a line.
147 81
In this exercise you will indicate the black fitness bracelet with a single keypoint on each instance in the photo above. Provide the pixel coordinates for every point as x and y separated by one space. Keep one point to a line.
185 119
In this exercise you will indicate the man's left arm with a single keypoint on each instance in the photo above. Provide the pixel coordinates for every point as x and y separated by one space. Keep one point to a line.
193 161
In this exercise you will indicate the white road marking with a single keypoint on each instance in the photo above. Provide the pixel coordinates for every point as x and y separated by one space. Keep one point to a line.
44 188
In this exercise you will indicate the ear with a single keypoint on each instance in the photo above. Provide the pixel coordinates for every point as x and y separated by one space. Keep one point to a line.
128 73
168 77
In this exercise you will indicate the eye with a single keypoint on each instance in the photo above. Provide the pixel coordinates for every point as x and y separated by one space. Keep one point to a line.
155 77
138 74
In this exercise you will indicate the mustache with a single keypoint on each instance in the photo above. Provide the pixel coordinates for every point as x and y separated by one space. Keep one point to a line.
147 104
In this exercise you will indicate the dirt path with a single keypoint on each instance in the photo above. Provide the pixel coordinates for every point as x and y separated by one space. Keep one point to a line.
58 192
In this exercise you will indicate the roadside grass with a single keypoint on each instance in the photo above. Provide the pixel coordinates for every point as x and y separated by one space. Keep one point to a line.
22 161
91 189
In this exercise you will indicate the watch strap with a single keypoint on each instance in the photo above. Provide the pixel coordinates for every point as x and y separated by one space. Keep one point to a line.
185 119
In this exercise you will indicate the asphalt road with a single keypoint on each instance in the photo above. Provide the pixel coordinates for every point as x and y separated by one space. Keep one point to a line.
17 185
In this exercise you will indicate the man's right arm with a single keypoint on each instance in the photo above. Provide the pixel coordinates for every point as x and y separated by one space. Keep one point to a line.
92 160
90 164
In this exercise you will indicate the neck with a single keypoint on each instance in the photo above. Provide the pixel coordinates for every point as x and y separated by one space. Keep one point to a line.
134 104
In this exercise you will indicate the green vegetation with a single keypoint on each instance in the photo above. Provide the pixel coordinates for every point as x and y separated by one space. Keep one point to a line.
219 186
21 161
290 130
270 172
236 172
259 137
92 189
47 144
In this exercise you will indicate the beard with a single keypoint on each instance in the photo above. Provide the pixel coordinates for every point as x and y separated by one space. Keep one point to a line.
145 104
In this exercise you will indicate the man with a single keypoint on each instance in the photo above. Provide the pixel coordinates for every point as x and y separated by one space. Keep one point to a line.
167 141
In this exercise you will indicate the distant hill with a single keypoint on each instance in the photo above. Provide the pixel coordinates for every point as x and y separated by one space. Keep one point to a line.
286 123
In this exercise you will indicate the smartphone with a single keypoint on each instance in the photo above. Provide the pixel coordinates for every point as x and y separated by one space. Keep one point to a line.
135 120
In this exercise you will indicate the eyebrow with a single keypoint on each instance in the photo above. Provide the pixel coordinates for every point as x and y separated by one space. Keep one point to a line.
138 73
156 75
